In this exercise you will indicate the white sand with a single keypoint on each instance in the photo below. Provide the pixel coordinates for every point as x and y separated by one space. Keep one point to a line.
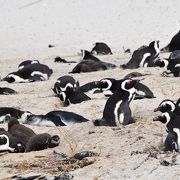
28 28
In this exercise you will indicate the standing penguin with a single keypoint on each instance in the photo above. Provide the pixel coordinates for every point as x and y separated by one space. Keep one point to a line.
117 110
172 141
143 57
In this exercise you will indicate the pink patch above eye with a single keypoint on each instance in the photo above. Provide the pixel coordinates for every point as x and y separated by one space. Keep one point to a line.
129 82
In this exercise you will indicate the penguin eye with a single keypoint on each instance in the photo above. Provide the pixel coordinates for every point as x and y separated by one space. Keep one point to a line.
129 82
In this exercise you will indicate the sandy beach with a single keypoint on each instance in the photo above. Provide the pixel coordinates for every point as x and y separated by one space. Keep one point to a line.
28 27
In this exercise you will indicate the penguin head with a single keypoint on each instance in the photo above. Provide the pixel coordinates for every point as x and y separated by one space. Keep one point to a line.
105 84
162 63
154 45
165 106
3 139
10 78
85 54
34 119
164 117
25 116
19 148
128 84
54 141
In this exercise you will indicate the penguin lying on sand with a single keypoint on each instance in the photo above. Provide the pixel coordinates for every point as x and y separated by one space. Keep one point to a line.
27 62
6 112
55 118
68 91
63 83
143 57
171 66
42 141
30 73
117 110
101 48
90 63
6 91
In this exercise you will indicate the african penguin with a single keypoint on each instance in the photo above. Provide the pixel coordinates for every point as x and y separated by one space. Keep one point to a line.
168 105
90 63
101 48
171 66
27 62
117 110
172 141
55 118
173 45
143 57
10 143
41 142
20 131
65 83
6 91
30 73
6 112
170 119
59 59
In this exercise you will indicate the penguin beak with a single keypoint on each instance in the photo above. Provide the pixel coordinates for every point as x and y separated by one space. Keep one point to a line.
158 118
157 109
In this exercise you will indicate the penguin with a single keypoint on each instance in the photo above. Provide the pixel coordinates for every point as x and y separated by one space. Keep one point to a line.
20 131
168 105
27 62
101 48
172 141
170 119
56 118
171 66
30 73
65 82
90 64
6 112
117 110
173 45
91 87
71 96
59 59
143 57
41 142
7 91
10 143
110 85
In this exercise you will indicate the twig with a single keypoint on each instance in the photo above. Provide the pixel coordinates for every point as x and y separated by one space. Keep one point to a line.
30 4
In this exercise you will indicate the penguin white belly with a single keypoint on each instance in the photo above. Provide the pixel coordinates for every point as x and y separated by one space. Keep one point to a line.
119 118
5 147
143 59
177 131
44 76
46 123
